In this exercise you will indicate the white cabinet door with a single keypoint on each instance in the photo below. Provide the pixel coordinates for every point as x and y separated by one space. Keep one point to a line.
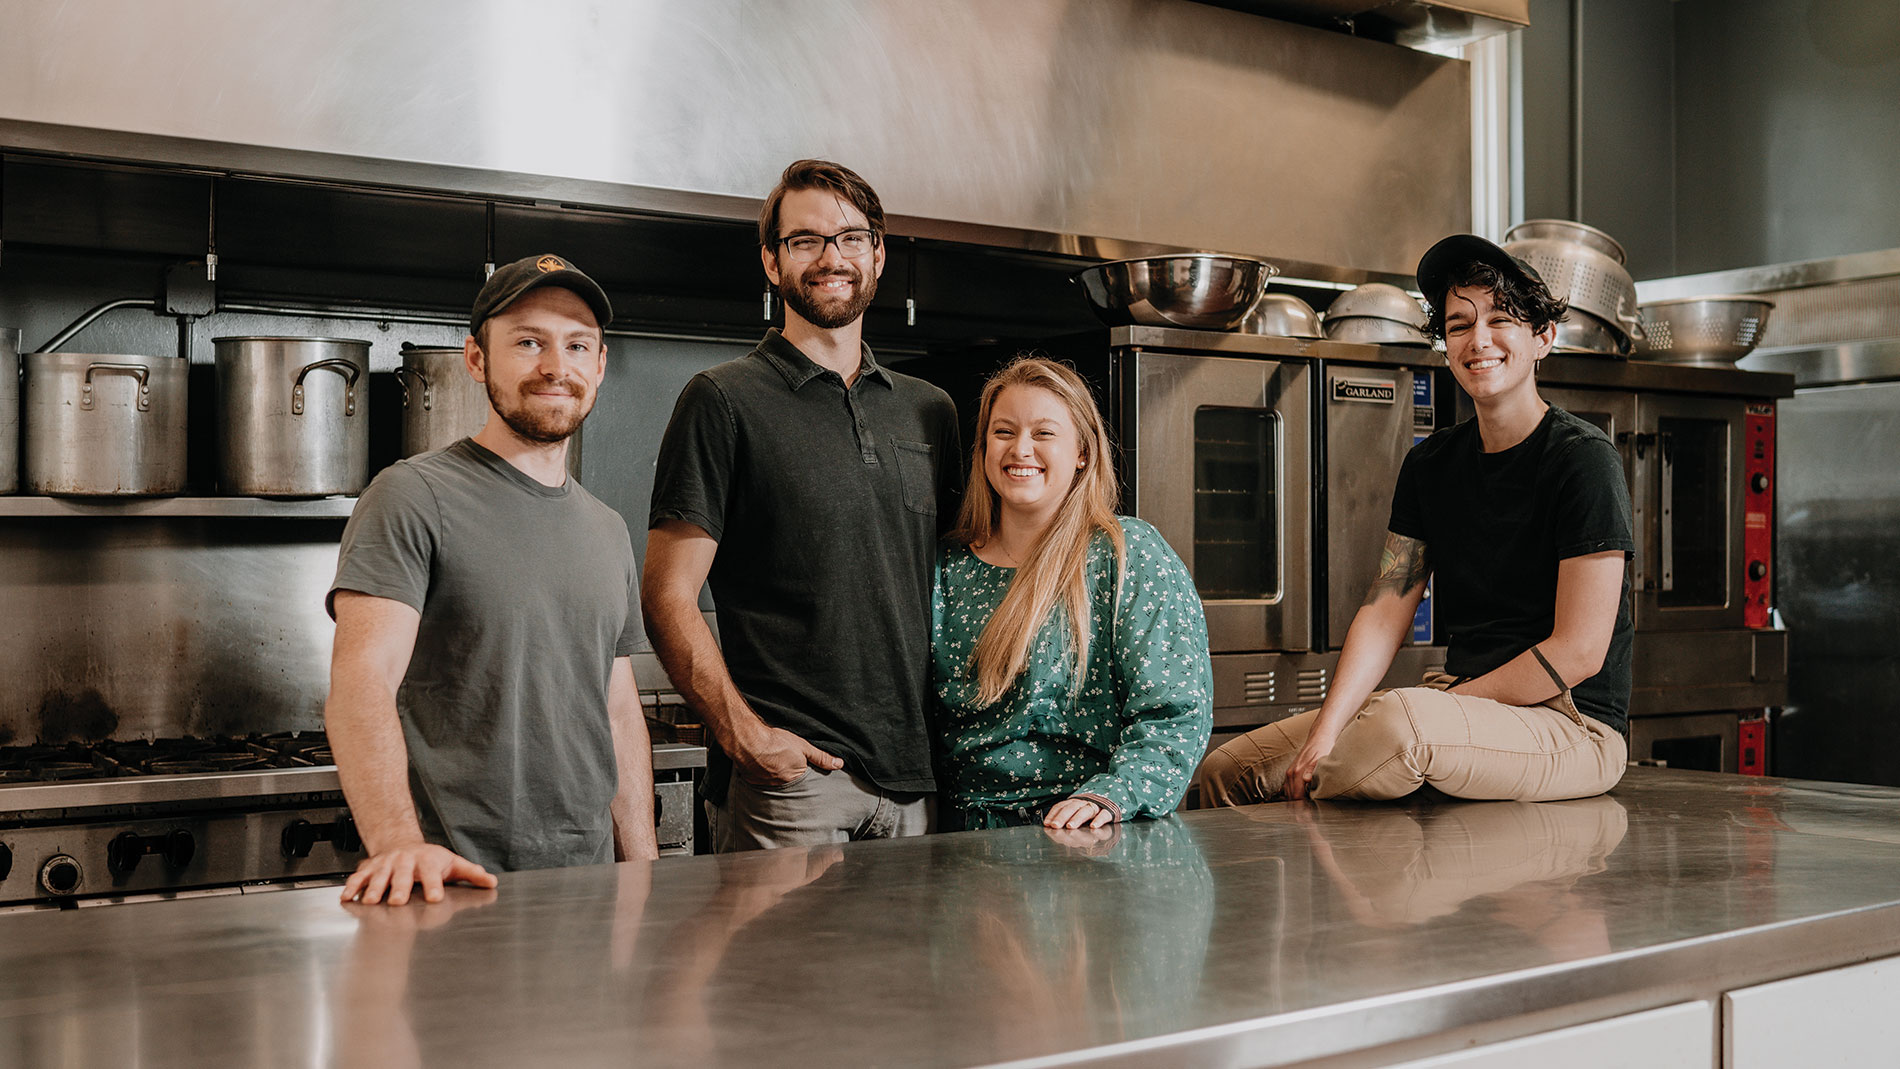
1847 1017
1674 1037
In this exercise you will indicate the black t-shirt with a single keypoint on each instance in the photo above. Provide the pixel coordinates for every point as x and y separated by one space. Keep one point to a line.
1494 527
827 503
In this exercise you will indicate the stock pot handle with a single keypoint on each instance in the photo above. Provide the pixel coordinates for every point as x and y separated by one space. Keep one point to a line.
343 367
428 397
142 372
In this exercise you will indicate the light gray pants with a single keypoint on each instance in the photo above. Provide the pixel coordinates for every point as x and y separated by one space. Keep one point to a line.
817 807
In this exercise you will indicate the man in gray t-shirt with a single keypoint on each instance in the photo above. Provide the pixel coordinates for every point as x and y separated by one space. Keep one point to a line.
482 706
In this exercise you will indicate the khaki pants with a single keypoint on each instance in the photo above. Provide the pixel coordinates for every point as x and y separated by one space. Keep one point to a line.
1466 747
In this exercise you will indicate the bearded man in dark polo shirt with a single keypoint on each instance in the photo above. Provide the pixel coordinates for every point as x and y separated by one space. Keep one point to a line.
810 485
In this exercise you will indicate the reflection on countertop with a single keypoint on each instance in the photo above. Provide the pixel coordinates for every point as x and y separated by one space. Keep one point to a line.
1269 933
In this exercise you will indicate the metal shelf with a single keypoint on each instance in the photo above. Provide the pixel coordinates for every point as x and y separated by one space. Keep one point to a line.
256 507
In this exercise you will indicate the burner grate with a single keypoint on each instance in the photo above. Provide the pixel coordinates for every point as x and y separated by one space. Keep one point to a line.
113 758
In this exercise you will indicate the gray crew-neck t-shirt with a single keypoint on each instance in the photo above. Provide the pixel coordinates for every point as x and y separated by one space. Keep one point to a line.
527 594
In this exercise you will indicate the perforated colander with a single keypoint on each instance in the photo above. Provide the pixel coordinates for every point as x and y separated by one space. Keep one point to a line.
1703 330
1590 279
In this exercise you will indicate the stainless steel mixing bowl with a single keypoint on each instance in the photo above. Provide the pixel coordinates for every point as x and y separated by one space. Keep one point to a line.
1282 315
1372 330
1568 230
1378 300
1201 291
1581 332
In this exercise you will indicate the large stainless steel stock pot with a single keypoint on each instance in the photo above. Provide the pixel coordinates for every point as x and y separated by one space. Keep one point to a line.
9 409
100 424
292 416
441 402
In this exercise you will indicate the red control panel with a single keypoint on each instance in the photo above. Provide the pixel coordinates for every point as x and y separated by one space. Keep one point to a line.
1758 513
1751 758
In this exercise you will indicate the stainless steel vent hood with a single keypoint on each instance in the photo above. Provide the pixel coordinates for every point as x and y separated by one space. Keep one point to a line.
1098 128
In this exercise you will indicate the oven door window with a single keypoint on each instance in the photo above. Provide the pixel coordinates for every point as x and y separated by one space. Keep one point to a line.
1236 504
1695 535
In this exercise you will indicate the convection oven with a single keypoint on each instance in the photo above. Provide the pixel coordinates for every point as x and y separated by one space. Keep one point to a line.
1216 452
1698 450
1373 413
1701 478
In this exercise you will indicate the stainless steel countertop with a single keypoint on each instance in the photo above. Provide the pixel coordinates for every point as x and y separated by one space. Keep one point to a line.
1252 936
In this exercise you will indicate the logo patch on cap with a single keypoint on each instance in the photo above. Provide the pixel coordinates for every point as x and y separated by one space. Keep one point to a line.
550 263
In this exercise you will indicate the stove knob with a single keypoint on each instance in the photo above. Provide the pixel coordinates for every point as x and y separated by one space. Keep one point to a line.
179 848
1757 570
1758 482
176 847
123 852
299 837
6 861
61 874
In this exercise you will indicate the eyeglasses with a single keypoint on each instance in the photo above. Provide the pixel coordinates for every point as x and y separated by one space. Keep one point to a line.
804 248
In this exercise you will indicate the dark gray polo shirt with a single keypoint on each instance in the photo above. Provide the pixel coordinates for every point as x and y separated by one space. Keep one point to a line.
827 503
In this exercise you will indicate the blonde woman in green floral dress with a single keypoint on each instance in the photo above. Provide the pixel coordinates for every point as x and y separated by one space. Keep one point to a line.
1069 648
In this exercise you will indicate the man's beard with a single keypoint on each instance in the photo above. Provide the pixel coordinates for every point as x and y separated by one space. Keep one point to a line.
827 313
534 424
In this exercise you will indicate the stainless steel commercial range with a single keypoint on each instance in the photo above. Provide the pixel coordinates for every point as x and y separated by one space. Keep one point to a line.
1698 447
110 822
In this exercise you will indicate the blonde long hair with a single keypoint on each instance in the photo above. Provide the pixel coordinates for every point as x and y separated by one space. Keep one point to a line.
1056 566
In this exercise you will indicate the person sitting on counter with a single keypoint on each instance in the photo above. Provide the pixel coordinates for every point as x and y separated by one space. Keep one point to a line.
482 705
1523 516
804 480
1069 648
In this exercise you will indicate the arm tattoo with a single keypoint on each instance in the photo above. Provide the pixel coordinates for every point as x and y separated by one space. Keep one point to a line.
1402 568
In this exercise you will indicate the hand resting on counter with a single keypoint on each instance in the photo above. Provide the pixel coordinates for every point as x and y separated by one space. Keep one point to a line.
1079 812
398 870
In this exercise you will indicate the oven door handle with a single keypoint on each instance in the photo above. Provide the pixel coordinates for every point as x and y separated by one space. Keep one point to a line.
1635 450
1666 522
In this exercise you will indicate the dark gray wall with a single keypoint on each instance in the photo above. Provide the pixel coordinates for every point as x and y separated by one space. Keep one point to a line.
1788 124
1547 111
1717 133
1629 180
1627 120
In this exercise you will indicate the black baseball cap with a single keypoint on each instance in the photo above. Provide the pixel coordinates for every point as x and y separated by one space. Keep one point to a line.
1442 260
508 283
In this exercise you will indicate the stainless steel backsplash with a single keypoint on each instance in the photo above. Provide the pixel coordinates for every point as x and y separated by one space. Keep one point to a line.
132 626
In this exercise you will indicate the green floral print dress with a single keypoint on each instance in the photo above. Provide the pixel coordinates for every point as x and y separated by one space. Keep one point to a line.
1134 732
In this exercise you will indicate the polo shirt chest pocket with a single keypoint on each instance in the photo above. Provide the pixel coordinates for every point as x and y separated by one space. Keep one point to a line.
917 471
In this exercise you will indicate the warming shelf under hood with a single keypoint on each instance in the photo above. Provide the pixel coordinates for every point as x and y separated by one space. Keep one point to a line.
1428 25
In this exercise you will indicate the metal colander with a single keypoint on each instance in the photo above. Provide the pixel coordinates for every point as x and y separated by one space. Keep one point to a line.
1582 265
1589 280
1703 330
